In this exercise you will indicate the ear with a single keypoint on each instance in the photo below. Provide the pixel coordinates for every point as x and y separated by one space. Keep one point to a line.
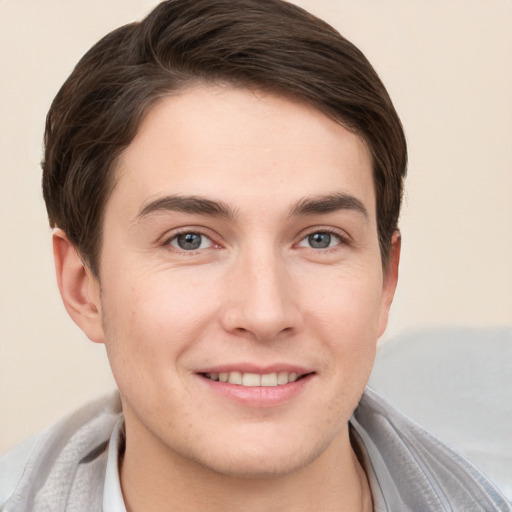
79 288
390 280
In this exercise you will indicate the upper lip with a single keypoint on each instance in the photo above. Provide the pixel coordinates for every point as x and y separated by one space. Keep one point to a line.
254 368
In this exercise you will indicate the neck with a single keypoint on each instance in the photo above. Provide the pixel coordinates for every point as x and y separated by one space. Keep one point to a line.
333 482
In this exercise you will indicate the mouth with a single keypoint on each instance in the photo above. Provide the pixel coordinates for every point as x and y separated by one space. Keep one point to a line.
257 387
248 379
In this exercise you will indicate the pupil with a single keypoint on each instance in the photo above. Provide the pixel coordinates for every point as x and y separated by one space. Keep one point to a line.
319 240
189 241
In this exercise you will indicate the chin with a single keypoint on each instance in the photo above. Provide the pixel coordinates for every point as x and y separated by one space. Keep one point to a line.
257 468
262 460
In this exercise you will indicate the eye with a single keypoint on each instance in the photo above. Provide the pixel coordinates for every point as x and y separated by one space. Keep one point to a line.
191 241
320 240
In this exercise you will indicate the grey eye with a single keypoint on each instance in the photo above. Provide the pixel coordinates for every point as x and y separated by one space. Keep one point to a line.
320 240
191 241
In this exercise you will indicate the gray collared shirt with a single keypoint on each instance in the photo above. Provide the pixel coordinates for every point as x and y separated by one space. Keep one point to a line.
112 495
73 466
407 468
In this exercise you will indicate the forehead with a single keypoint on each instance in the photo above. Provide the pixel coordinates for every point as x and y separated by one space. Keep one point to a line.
241 146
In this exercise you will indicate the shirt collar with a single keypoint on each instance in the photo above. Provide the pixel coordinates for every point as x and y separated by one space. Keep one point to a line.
112 495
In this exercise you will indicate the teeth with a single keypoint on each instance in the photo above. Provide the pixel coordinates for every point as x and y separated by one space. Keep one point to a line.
254 379
251 379
235 378
269 379
282 378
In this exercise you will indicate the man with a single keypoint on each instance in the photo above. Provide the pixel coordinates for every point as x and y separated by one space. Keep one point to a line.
224 179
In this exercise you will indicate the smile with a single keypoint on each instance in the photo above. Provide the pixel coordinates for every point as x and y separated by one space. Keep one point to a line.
254 379
255 387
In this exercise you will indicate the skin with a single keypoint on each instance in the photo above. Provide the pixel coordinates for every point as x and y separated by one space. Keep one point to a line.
254 293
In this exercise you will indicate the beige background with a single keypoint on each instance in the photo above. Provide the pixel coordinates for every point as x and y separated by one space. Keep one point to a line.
448 67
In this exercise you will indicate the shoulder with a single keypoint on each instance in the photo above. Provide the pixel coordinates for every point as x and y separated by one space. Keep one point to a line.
12 466
46 466
412 469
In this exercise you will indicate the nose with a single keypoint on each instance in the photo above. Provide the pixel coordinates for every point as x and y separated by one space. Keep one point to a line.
261 302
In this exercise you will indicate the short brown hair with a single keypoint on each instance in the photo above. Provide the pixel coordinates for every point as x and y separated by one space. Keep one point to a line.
266 44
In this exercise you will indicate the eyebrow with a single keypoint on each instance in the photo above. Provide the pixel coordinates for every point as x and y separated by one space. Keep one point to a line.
187 204
326 204
202 206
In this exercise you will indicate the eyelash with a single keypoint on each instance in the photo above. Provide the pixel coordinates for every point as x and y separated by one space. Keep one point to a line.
175 236
343 240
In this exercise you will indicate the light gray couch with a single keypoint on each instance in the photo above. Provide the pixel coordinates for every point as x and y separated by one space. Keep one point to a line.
457 383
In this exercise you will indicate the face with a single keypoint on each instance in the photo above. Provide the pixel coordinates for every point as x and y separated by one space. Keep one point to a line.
242 290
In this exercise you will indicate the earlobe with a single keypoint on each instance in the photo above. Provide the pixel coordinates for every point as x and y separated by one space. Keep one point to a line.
79 288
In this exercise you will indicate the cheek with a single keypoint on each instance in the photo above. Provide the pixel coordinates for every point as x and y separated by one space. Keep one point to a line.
348 316
347 300
148 323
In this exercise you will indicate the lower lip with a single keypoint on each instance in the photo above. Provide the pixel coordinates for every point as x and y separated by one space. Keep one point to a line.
258 396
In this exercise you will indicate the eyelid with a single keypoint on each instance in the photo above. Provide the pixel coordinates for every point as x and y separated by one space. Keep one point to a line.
173 234
174 241
344 237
